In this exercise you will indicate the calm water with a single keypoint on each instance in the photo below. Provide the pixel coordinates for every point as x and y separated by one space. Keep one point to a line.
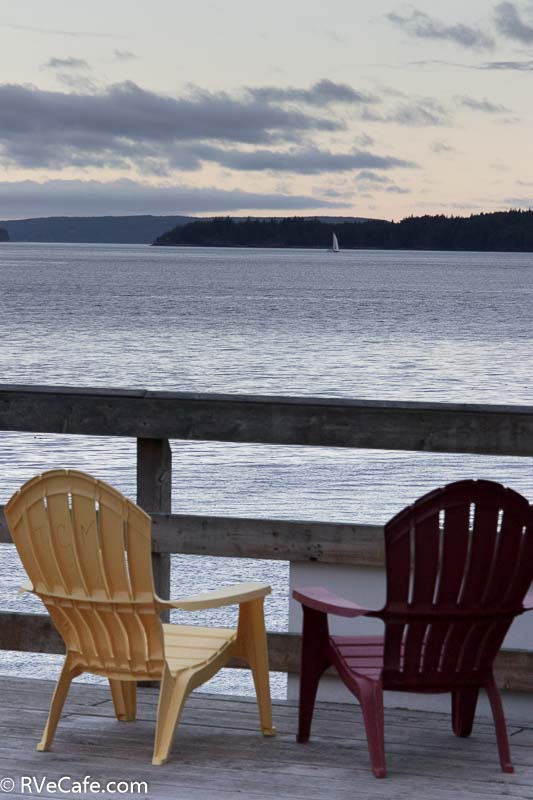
370 324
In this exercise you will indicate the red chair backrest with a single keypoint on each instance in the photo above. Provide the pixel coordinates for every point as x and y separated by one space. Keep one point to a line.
459 563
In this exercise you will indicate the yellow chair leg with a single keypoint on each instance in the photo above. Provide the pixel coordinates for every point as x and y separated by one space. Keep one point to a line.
252 645
56 706
172 695
124 694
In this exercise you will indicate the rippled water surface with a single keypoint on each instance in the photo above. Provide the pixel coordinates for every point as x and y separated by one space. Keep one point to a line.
368 324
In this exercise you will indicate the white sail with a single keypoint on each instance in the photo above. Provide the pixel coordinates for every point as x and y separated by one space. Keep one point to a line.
335 247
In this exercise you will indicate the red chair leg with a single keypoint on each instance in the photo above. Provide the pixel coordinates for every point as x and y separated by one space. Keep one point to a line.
315 660
464 702
371 699
501 726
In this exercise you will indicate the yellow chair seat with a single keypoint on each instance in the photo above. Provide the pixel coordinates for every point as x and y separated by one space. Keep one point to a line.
192 647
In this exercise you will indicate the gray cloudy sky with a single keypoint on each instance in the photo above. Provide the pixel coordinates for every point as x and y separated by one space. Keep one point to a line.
381 109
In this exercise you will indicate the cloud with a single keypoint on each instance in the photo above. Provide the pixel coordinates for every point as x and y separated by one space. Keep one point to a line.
437 62
71 72
511 25
60 32
322 93
124 122
305 161
364 140
421 112
425 112
397 189
76 197
124 55
335 36
524 202
518 66
421 26
66 63
77 82
441 147
367 176
369 181
484 105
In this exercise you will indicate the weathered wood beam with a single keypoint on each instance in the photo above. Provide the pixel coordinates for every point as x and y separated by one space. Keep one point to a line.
284 540
279 540
154 494
34 633
428 427
29 633
5 536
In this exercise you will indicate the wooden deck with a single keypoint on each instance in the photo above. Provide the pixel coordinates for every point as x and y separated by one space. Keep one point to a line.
219 753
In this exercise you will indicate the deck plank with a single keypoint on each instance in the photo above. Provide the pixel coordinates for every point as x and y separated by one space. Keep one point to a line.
219 754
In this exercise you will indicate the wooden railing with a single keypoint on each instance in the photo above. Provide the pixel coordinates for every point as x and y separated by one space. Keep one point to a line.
155 417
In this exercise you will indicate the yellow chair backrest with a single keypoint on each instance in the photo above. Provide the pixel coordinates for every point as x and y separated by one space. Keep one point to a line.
87 551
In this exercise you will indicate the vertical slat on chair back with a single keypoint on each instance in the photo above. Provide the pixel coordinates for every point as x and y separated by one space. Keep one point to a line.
87 551
459 563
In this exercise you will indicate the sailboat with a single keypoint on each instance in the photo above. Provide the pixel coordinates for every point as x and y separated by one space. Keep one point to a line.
335 244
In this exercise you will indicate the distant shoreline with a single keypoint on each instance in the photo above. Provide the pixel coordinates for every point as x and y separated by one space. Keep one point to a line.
328 249
499 232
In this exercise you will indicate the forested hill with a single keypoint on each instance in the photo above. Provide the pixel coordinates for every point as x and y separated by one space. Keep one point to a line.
506 231
4 235
138 229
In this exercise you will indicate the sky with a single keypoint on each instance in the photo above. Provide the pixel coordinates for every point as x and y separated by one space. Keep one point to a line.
344 108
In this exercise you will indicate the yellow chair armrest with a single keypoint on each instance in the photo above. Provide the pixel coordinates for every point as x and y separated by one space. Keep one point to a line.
229 595
27 586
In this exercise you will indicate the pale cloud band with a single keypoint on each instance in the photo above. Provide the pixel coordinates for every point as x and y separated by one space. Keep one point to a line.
97 198
420 25
124 125
510 20
511 24
66 63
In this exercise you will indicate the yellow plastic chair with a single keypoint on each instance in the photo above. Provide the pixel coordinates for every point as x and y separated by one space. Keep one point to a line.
87 551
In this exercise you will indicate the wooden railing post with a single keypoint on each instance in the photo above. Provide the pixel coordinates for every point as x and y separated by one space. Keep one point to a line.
154 494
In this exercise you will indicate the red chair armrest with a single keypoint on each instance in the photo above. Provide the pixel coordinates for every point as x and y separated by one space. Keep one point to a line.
321 599
528 602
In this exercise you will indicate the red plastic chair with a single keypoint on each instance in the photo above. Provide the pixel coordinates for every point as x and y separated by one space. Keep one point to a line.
459 564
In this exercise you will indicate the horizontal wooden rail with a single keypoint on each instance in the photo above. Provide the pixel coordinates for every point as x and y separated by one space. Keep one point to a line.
285 540
430 427
278 540
35 633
